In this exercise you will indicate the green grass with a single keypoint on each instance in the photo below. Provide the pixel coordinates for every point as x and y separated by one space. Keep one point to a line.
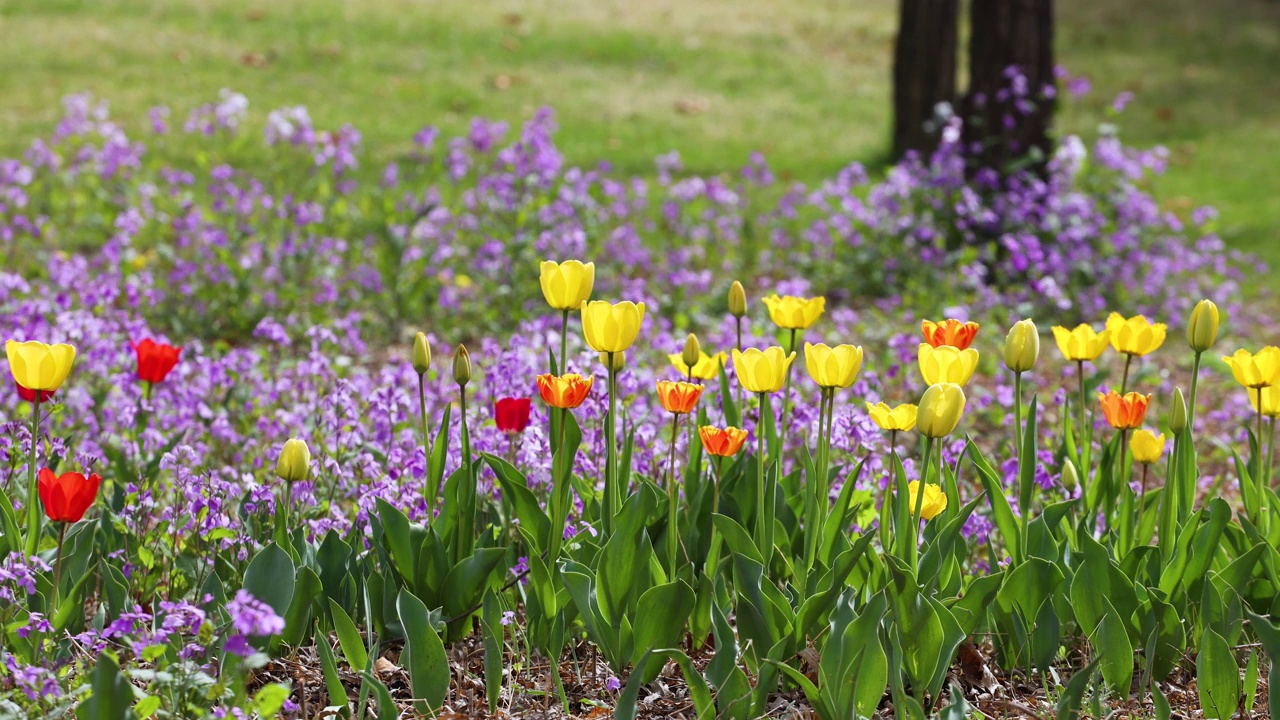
806 81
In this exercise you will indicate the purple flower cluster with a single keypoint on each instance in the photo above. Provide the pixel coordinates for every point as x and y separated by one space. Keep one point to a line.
250 617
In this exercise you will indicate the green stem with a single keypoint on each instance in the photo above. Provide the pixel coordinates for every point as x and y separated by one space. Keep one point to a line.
760 499
1122 477
1124 380
1191 401
564 340
885 535
739 348
1085 440
430 492
612 493
1271 449
32 500
786 399
673 531
1258 481
1017 418
57 570
919 504
557 512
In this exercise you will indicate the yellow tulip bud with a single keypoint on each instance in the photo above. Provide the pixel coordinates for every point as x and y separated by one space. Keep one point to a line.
421 353
762 371
1147 447
1022 346
832 367
566 285
1135 335
1202 328
37 366
1081 343
737 299
692 352
461 365
946 364
1070 476
619 361
901 418
611 328
940 410
935 501
1178 412
1255 371
794 313
294 463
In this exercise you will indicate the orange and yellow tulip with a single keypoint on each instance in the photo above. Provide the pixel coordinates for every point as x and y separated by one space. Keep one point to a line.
949 332
724 442
1124 412
564 391
679 397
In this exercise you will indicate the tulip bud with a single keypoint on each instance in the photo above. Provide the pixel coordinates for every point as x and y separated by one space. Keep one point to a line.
619 361
1202 328
1178 413
737 299
461 366
692 352
940 410
1070 478
295 461
421 353
1022 346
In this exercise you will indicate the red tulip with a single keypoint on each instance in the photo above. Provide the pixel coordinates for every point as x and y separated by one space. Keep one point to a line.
512 414
66 497
29 395
155 360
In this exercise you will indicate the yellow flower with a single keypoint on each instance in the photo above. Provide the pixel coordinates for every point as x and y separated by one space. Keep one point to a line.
568 284
1147 447
762 371
737 299
1082 343
1255 371
1135 335
794 313
832 366
461 365
935 501
1202 327
37 366
707 367
901 418
692 351
295 461
940 410
1270 401
946 364
611 328
421 353
1022 346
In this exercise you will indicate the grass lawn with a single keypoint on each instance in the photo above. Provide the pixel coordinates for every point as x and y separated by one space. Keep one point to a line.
804 81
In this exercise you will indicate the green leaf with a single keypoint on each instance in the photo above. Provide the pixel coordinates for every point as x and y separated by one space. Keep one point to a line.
660 618
353 648
111 695
1115 652
1217 677
492 635
297 620
1002 513
427 662
269 578
1027 470
1073 695
146 707
268 701
732 415
1251 682
465 583
386 706
332 681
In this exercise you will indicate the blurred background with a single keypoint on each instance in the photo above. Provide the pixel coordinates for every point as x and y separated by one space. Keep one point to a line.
810 83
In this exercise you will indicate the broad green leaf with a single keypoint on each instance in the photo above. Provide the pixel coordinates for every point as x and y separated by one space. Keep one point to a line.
353 648
1115 653
1217 677
426 659
269 578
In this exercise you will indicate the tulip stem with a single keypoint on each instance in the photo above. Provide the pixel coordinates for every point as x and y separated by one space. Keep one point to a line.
1085 440
1142 495
1120 474
1191 406
1124 379
57 570
564 341
738 346
760 498
1259 470
429 491
612 496
919 504
885 535
673 533
1271 449
558 512
33 505
786 399
1017 433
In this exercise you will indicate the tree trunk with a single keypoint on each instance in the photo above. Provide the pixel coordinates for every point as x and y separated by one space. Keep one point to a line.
1009 120
924 71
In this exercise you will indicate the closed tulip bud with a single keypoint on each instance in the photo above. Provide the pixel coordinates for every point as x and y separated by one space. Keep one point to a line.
421 353
461 365
940 410
1178 413
1070 477
692 352
619 361
295 461
1022 346
737 299
1202 328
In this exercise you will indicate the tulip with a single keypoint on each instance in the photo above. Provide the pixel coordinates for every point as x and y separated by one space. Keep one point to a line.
611 328
37 366
896 419
566 285
294 463
155 360
1178 413
794 313
935 501
835 367
68 496
719 442
1147 447
421 356
1202 327
940 410
34 396
679 397
946 364
618 362
737 300
564 391
1255 371
511 415
692 351
762 371
949 333
1082 344
707 367
1135 336
1070 476
1270 401
1022 346
1124 412
461 366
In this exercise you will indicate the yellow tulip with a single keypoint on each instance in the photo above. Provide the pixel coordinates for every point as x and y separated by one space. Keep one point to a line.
1147 447
692 351
37 366
940 410
946 364
611 328
1255 371
421 353
461 365
833 367
935 501
762 371
706 368
794 313
1135 335
1178 411
1022 346
566 285
294 463
1081 343
901 418
737 299
1202 327
1270 401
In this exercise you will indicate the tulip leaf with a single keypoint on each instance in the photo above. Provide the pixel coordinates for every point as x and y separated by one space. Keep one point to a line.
1072 696
269 578
1001 511
329 667
1115 652
732 413
464 585
1217 677
349 639
424 655
111 695
1028 462
306 588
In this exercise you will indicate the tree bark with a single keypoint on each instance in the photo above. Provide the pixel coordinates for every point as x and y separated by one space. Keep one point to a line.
924 71
1010 125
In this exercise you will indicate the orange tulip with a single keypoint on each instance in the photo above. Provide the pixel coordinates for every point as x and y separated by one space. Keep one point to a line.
564 391
679 397
949 332
722 443
1124 412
